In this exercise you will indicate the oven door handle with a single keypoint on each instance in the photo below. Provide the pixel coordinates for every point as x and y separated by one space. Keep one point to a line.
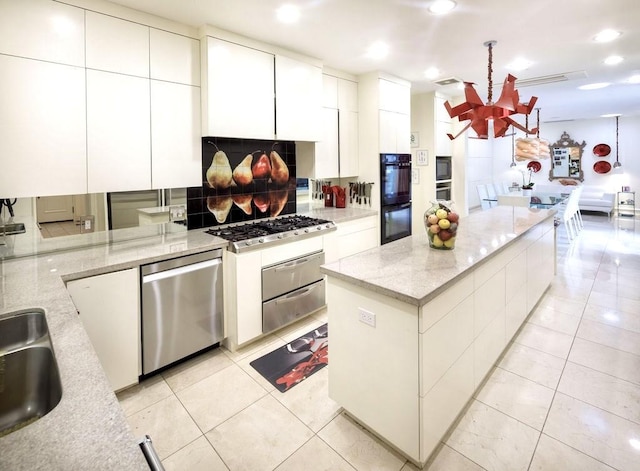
295 295
294 264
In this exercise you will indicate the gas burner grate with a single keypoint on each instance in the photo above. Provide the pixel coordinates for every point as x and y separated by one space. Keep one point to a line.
269 231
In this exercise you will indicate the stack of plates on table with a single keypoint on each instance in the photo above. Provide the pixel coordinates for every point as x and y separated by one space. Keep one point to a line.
602 166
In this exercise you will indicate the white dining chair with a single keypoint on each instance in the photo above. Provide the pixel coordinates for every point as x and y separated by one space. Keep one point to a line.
497 187
483 194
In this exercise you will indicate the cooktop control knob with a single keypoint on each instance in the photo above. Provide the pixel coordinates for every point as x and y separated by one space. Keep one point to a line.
306 230
248 242
319 228
296 233
261 240
280 236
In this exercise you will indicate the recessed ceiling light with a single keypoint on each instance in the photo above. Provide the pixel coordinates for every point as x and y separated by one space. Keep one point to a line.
606 35
431 73
519 64
634 79
288 13
610 115
378 50
439 7
594 86
613 60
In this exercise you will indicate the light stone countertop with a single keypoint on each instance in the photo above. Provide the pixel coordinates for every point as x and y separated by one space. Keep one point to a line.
87 429
412 272
336 215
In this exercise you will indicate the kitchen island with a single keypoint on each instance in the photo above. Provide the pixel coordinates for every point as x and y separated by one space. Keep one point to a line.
414 330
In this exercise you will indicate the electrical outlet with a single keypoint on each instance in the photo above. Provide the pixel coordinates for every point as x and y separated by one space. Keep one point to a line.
177 213
367 317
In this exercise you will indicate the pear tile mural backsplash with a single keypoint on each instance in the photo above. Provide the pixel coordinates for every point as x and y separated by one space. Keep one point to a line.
242 180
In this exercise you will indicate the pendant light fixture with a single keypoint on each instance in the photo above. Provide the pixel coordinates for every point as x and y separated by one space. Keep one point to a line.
513 151
480 114
617 163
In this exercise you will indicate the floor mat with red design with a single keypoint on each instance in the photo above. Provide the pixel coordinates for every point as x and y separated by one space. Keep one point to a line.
296 361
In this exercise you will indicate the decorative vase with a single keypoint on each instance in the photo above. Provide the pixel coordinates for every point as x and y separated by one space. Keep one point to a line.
441 224
527 192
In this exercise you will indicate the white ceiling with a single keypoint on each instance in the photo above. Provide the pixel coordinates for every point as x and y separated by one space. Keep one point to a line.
556 35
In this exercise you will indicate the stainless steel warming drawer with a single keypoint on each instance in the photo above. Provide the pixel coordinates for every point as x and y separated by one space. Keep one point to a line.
291 289
285 309
284 277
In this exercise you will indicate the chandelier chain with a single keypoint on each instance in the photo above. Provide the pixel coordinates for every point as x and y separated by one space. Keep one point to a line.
490 72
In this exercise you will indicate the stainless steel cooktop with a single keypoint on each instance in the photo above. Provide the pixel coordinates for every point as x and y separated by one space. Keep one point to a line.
269 232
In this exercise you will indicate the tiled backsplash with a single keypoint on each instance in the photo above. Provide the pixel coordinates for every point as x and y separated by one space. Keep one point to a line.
230 194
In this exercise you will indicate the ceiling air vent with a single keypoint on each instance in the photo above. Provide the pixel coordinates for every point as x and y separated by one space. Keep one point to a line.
545 79
448 81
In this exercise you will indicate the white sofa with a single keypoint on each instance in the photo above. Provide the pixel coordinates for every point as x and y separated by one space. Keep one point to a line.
596 199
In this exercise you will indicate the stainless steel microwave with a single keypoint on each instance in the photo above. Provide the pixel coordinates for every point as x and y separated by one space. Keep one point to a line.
444 168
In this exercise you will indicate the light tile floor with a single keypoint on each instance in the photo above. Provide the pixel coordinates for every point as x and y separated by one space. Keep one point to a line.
564 396
58 229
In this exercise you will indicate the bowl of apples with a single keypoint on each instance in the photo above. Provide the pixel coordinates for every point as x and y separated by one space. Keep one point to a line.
441 224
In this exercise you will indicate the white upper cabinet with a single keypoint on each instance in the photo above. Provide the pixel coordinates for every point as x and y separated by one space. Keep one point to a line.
42 29
395 135
348 138
329 91
42 128
174 58
298 100
238 91
175 135
347 95
117 45
326 151
394 97
118 132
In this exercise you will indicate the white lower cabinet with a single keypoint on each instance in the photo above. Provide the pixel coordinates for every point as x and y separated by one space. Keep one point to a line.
109 308
419 366
350 238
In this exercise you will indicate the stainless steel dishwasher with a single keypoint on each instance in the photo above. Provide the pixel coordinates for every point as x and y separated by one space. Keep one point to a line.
182 309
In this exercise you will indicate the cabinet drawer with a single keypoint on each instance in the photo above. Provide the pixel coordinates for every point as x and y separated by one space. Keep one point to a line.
297 304
287 276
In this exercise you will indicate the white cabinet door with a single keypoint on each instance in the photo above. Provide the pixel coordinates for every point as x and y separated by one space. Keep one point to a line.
327 147
387 132
395 135
174 58
347 95
298 100
239 92
42 128
108 306
348 137
329 91
176 159
118 132
42 29
117 45
443 143
394 97
403 133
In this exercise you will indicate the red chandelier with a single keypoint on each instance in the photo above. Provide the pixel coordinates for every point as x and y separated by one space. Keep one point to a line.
500 113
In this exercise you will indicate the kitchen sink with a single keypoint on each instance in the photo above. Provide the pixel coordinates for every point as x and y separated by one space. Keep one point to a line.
12 228
30 384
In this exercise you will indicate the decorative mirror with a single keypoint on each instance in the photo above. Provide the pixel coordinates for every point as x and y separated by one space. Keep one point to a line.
566 159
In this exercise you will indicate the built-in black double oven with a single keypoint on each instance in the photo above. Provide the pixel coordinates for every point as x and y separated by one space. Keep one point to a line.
395 198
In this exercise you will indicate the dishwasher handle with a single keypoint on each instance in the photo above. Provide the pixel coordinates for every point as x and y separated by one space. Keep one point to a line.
180 270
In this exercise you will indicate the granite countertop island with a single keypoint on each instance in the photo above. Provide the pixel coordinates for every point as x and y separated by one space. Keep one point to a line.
415 330
87 429
410 271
